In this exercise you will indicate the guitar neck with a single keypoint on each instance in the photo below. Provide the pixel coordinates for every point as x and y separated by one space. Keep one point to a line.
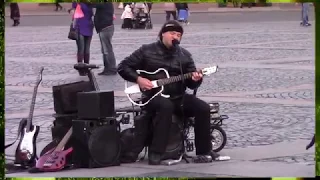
173 79
33 102
64 140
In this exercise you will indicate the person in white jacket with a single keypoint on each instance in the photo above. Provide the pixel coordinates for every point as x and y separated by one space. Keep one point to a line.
127 17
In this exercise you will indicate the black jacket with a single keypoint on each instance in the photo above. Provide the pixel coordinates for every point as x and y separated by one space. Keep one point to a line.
151 57
104 15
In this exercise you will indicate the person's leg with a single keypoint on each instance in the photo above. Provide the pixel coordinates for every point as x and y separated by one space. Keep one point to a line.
109 59
87 43
305 13
179 17
195 107
162 120
57 6
174 15
80 51
187 17
130 23
167 15
80 48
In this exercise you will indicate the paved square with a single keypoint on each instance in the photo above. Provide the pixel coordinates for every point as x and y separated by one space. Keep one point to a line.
265 84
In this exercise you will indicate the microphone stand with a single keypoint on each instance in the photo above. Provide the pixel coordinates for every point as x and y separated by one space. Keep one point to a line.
184 155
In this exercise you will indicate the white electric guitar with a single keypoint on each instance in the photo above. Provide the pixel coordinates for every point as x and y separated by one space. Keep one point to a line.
160 83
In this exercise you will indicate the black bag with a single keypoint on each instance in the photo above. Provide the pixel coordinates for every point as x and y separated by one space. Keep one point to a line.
134 139
73 33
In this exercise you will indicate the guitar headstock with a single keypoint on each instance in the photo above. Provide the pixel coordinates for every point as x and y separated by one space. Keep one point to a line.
209 70
40 76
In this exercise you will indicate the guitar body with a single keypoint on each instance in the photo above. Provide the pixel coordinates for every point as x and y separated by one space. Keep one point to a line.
55 157
26 152
53 160
159 79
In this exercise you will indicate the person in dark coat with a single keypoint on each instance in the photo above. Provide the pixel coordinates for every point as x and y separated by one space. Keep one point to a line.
15 13
58 5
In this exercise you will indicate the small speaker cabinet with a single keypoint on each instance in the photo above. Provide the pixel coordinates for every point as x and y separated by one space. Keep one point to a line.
65 96
96 105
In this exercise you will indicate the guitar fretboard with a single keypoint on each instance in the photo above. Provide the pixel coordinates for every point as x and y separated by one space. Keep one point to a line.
33 101
64 140
165 81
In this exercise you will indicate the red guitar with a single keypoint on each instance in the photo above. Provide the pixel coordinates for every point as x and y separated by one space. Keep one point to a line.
55 159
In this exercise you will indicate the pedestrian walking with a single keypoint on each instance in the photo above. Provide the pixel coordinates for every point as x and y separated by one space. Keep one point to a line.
58 6
15 13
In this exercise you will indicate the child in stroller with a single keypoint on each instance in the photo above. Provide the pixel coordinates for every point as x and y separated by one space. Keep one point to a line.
142 19
127 17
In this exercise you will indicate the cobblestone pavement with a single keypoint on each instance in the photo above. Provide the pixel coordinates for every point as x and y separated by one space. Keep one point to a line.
307 158
265 83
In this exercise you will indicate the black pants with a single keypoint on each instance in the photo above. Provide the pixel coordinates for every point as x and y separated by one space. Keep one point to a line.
192 107
83 46
173 13
127 23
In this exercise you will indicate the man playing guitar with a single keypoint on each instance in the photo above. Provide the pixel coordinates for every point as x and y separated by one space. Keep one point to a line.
165 53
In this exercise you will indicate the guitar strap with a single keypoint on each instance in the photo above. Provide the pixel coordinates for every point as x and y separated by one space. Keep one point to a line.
21 125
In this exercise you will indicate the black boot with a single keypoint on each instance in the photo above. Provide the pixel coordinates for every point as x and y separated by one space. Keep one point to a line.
86 58
206 158
15 23
80 58
154 158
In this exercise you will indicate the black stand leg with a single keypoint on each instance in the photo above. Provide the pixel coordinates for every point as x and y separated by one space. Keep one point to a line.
184 153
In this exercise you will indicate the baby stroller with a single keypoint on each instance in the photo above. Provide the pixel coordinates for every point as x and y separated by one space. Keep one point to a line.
142 18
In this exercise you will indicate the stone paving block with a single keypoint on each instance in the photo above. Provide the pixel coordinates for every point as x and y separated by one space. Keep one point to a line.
255 169
115 171
277 150
184 174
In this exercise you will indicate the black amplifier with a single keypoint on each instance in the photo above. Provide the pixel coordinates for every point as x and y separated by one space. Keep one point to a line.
96 105
65 96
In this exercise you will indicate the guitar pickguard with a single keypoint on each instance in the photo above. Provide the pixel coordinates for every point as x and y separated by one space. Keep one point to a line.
153 77
27 141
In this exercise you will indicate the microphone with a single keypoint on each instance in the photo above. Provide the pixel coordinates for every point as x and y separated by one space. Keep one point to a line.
82 66
175 43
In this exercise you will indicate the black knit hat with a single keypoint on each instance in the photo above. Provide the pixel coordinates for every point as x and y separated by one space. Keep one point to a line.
171 25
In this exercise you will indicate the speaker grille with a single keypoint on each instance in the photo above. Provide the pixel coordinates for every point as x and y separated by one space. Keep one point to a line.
104 145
